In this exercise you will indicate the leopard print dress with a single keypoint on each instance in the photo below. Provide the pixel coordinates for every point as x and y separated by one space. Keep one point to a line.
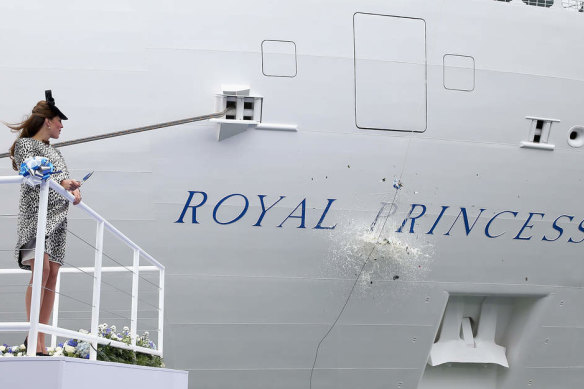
56 231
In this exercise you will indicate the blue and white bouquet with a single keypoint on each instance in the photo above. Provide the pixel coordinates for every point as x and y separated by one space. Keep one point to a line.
12 351
36 169
71 348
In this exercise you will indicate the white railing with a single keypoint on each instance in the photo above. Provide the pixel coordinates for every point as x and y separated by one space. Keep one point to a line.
577 5
34 326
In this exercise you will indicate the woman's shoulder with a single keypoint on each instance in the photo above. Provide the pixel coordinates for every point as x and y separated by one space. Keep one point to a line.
23 144
28 143
22 141
30 147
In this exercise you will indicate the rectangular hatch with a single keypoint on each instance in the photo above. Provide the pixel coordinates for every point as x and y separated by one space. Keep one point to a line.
390 72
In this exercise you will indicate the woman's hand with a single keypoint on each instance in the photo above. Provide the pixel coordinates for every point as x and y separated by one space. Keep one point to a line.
77 195
70 185
73 187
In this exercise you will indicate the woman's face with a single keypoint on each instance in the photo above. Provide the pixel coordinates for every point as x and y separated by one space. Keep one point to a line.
55 127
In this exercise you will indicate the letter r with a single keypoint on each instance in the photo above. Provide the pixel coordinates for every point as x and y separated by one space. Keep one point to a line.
413 219
194 207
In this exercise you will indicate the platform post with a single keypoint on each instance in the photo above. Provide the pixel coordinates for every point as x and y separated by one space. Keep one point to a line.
161 311
37 277
135 280
96 288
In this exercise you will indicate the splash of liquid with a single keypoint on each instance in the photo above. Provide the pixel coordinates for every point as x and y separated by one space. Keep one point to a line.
390 256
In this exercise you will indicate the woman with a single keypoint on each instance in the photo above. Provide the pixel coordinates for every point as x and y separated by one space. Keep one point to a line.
43 124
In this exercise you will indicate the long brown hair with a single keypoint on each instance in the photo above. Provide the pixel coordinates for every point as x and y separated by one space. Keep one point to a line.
31 125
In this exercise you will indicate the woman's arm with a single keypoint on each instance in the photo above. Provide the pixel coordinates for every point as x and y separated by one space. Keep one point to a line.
62 178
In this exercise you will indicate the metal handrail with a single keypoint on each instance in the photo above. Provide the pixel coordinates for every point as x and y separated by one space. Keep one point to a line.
33 327
63 192
577 5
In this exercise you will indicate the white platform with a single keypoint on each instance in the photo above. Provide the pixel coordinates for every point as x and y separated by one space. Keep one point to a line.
72 373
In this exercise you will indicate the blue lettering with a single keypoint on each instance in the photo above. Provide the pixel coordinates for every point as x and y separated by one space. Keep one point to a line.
302 217
557 228
221 202
444 208
527 225
413 219
264 210
487 233
194 207
467 227
319 224
197 199
581 228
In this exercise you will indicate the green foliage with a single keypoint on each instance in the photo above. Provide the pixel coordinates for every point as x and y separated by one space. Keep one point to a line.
148 360
113 354
110 353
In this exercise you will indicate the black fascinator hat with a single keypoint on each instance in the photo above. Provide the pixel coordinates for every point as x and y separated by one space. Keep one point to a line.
49 99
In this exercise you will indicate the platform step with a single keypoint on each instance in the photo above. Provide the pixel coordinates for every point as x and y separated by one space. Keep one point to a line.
73 373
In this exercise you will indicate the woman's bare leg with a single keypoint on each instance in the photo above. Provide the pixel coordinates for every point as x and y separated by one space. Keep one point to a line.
28 296
49 297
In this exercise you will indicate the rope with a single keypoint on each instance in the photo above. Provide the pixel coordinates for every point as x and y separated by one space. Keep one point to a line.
134 130
365 262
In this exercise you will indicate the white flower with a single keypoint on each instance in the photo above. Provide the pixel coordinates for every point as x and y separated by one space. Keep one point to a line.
146 334
126 328
83 331
15 349
20 354
2 349
50 350
69 349
113 328
58 353
59 350
115 337
22 347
